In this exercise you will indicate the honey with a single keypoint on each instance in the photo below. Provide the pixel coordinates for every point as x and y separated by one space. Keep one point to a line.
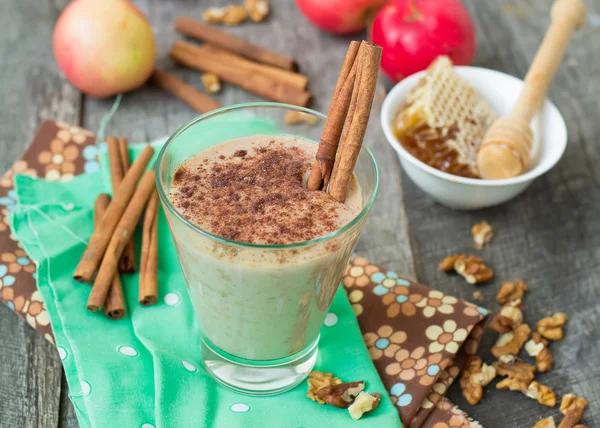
443 121
427 146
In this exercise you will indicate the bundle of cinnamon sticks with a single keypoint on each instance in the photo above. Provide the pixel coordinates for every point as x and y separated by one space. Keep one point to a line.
346 121
110 249
234 60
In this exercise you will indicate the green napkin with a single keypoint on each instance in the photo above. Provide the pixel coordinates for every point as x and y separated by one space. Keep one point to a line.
145 370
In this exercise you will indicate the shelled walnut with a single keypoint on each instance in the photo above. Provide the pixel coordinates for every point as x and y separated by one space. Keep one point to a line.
513 384
473 269
508 318
537 347
447 264
551 327
514 368
364 403
545 423
482 234
211 82
511 343
541 393
475 376
510 291
317 380
572 407
340 395
257 9
228 15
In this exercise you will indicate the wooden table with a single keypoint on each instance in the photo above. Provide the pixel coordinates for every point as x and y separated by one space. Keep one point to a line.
549 236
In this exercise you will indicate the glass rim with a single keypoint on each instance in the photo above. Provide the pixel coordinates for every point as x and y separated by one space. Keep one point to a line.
163 196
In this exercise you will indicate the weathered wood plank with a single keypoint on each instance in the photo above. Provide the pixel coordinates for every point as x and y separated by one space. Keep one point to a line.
32 89
549 236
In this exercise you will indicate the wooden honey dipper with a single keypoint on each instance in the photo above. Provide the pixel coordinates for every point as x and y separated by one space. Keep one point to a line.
506 147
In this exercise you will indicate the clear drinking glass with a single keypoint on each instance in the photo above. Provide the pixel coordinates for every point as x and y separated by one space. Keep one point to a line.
260 307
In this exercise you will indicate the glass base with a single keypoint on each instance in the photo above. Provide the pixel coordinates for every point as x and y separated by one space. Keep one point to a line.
258 377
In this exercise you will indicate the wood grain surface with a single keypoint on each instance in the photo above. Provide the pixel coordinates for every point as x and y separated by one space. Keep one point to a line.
549 236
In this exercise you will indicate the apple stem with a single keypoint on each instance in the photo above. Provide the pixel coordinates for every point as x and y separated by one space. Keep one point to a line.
415 14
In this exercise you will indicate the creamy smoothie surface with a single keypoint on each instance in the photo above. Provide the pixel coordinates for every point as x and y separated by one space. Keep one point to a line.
253 190
260 303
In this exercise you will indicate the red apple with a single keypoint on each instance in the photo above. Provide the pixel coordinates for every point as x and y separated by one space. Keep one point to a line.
415 32
339 16
104 47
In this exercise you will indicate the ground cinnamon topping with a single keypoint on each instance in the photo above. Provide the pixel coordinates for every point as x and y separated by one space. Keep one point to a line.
256 196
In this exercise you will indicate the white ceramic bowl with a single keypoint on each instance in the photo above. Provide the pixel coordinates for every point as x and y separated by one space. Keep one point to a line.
501 91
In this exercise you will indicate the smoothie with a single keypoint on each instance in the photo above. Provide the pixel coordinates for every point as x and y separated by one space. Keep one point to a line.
262 301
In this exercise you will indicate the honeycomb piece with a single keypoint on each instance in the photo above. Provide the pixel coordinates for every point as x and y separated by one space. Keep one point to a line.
443 120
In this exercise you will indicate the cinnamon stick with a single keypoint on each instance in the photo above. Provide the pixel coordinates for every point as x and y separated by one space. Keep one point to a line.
186 93
332 130
357 120
115 305
148 288
118 167
188 54
118 241
206 33
124 152
290 78
102 235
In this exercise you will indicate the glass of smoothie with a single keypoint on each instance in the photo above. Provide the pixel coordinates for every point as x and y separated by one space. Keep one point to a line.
262 255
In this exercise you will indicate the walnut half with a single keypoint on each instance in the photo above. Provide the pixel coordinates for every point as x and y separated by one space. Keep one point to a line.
447 264
508 318
551 327
537 347
475 376
514 368
541 393
364 403
340 395
511 343
545 423
510 291
211 82
482 234
229 15
473 269
572 407
317 380
257 9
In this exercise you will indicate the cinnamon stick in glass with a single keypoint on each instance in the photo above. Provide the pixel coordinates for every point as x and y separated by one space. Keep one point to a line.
148 287
115 305
332 130
257 83
118 241
206 33
186 93
118 168
357 120
102 235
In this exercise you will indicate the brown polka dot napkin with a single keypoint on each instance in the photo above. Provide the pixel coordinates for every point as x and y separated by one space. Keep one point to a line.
58 152
419 340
